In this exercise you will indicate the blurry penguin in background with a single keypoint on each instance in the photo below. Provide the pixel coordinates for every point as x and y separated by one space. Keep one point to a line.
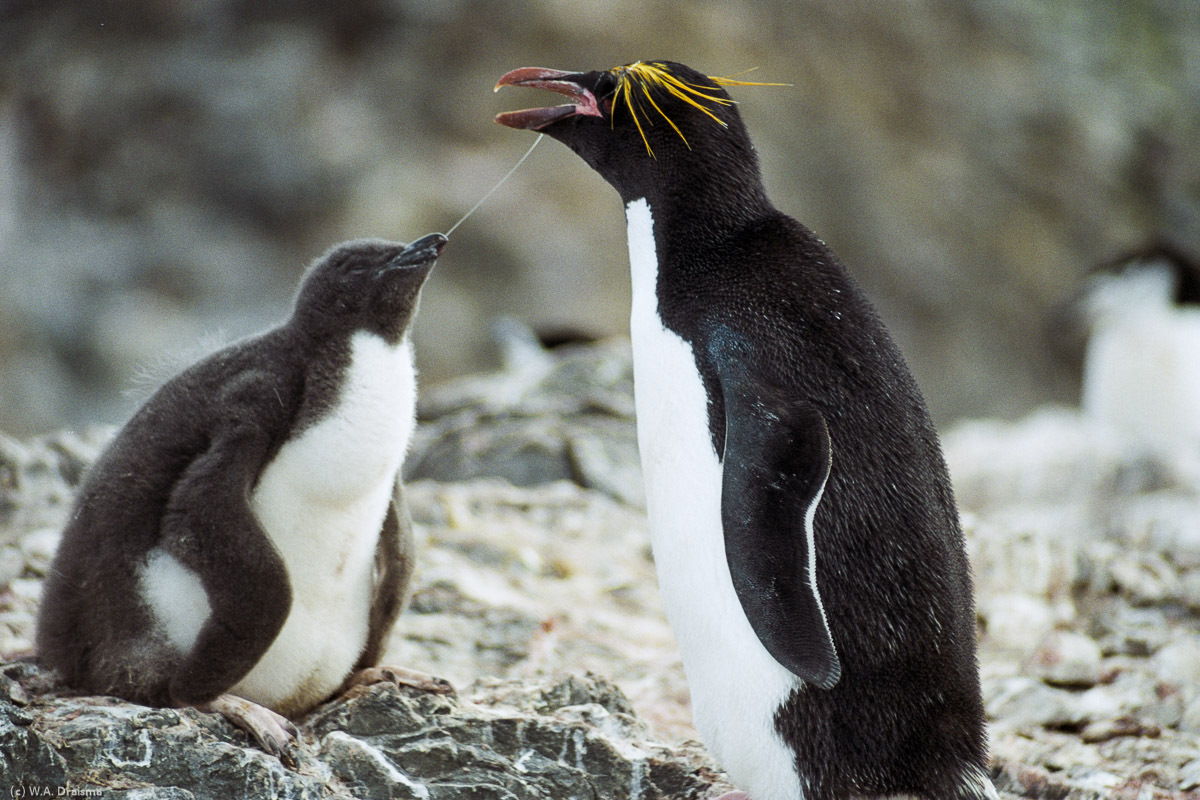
1141 368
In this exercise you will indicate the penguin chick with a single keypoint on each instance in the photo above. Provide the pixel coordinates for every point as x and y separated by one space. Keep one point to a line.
243 542
804 531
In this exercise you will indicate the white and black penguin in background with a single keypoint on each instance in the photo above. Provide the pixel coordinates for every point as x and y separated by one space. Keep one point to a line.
805 534
1141 369
243 543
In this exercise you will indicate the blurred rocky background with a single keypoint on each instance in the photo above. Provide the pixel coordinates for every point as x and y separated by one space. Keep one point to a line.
167 169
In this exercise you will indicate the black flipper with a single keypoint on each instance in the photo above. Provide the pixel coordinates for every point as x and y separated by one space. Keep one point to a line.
210 527
776 461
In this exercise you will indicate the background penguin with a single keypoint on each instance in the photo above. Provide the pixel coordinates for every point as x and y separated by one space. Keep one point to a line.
244 537
804 529
1141 368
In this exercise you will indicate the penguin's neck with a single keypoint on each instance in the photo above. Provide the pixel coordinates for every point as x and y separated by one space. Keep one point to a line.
703 199
643 258
654 273
677 227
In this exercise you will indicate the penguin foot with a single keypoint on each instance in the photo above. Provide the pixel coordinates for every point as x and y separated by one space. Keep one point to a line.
733 796
273 732
401 676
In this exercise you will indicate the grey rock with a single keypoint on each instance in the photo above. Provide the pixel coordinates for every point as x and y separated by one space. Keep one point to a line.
607 464
1189 720
27 758
1014 621
12 563
1189 776
568 739
1120 628
565 414
1189 590
38 478
1178 662
1024 703
515 580
572 737
1148 578
38 548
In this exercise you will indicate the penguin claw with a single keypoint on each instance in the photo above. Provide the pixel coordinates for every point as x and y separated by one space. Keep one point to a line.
401 676
273 732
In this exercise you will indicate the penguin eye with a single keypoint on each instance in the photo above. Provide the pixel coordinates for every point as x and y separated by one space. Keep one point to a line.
355 266
606 85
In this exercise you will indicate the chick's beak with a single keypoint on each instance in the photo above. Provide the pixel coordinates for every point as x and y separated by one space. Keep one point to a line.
421 253
583 102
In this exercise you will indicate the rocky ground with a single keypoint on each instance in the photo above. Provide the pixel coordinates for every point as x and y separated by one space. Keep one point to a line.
535 596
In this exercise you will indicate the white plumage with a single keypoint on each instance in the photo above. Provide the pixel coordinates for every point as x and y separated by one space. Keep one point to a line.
177 597
736 686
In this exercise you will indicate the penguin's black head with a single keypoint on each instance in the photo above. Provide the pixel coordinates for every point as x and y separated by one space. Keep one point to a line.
367 284
643 126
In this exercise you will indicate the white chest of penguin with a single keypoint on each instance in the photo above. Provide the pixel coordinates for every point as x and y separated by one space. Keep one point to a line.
736 686
322 501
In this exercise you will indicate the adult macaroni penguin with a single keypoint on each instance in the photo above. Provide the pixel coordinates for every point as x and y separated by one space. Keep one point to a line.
805 534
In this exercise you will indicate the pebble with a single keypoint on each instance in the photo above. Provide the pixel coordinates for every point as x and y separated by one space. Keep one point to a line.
1103 730
1023 703
1189 589
1016 622
38 548
1146 578
12 564
1166 712
26 590
1189 775
1163 522
1131 631
1103 702
1178 663
1189 721
1072 754
1066 658
1099 781
1030 548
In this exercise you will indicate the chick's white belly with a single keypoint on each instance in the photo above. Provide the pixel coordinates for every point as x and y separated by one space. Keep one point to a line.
331 580
322 501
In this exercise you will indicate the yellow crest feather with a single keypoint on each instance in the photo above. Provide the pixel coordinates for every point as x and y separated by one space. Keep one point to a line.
635 81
